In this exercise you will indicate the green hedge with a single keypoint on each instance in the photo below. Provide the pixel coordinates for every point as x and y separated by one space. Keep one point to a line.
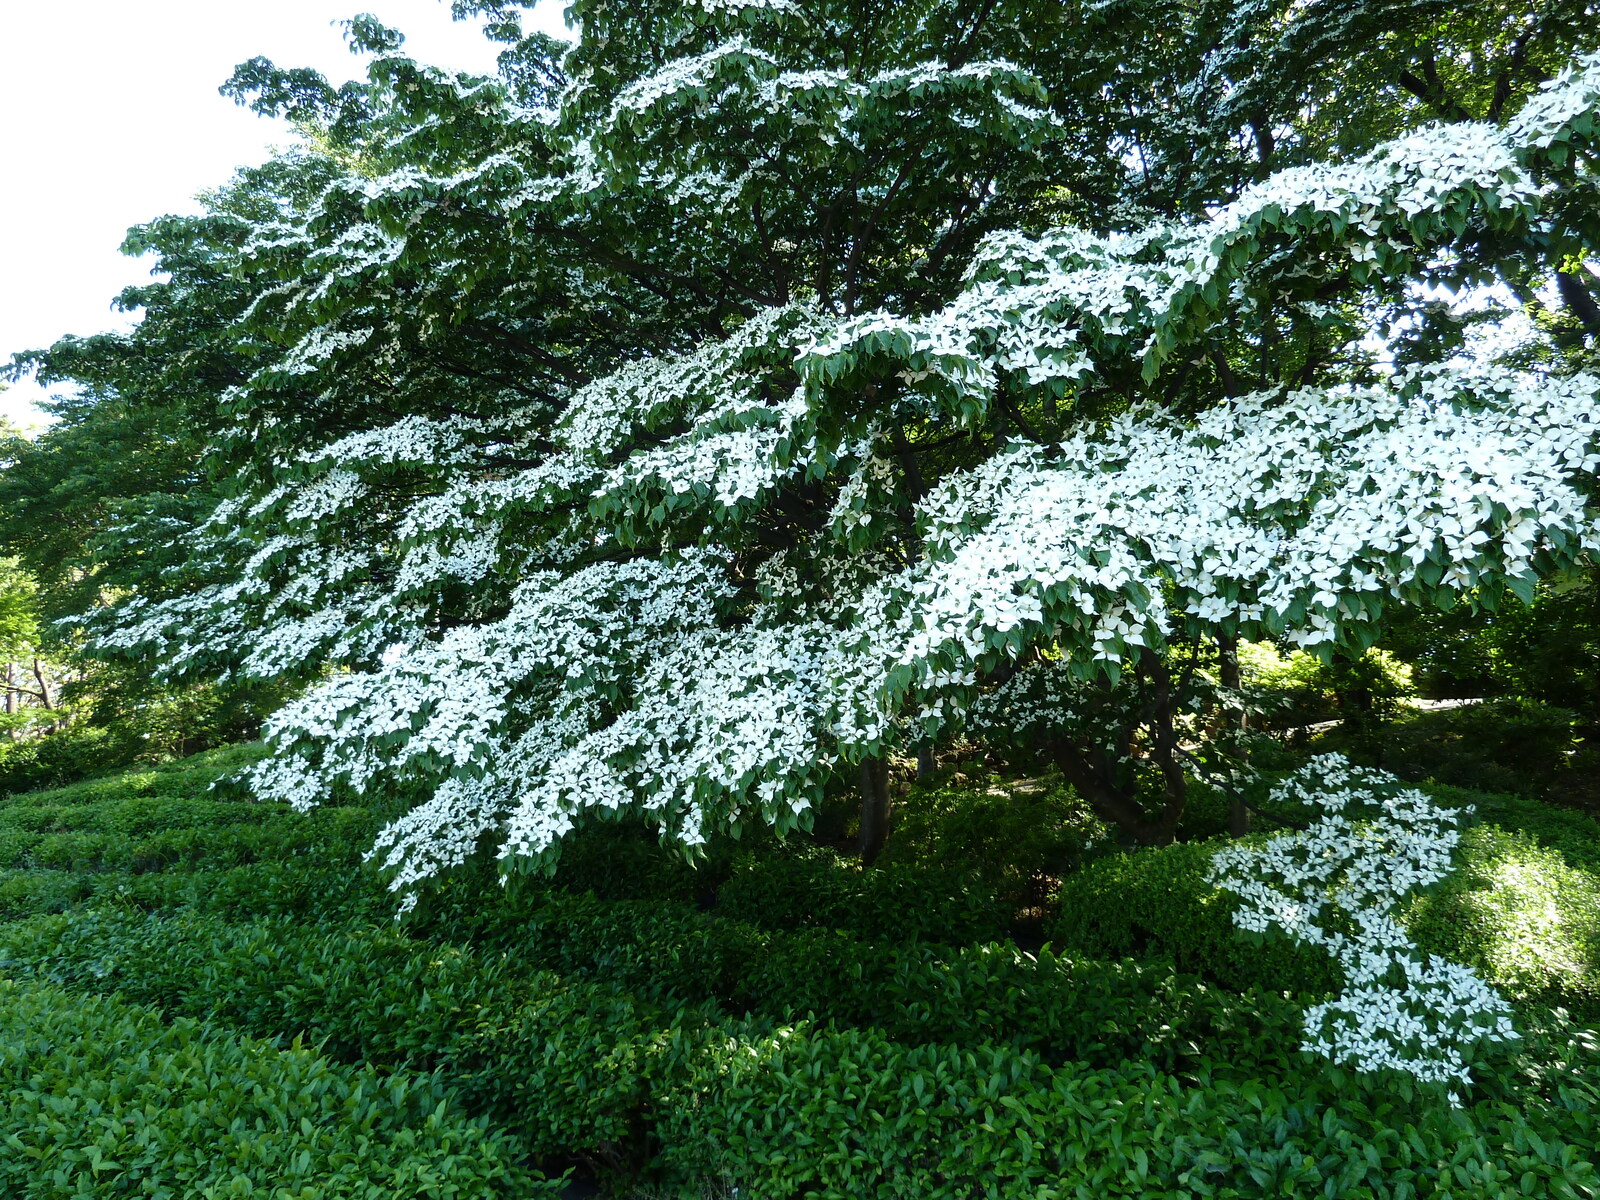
674 955
816 1033
1521 914
99 1098
1574 835
802 887
581 1070
190 777
331 834
1015 835
831 1115
303 888
1159 903
1517 910
375 994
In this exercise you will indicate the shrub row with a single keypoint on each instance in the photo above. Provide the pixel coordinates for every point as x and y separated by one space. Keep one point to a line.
135 815
546 1058
330 834
673 955
1521 914
832 1114
787 1110
1158 903
806 888
189 777
100 1098
337 984
302 888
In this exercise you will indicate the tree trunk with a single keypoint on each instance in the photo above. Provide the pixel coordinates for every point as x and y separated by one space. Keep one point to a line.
926 764
1580 301
13 697
874 808
1232 678
44 686
1114 804
1228 656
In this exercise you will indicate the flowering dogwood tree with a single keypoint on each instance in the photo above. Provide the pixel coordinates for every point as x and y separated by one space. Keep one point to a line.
755 388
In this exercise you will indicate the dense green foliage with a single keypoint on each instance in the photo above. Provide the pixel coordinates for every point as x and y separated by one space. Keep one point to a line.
777 1020
104 1098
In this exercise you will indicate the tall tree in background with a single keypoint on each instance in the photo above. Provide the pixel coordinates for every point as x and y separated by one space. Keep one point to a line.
676 422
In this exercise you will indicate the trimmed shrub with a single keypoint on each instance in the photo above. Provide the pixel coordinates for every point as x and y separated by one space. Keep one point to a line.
808 888
832 1115
1505 745
189 777
99 1098
1519 913
1158 903
1016 838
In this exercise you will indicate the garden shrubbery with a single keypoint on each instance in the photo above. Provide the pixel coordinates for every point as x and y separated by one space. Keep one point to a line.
99 1097
1159 903
783 1023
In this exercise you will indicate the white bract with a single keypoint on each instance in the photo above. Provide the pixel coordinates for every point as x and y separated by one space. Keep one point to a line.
1336 885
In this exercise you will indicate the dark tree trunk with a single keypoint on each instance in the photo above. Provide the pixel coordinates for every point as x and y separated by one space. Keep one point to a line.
926 764
1232 678
1092 776
1228 656
1575 294
874 774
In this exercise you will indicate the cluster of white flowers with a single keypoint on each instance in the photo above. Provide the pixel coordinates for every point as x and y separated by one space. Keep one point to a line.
1336 886
1562 103
1048 308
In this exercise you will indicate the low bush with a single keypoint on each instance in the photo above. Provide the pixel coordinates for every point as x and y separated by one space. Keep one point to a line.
674 956
56 758
1017 838
804 1037
362 993
1522 915
1159 903
812 888
374 994
306 890
557 1062
328 834
99 1098
189 777
32 893
1503 745
1574 835
831 1114
582 1070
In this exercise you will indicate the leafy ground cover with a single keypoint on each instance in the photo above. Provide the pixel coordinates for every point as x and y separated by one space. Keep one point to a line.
209 995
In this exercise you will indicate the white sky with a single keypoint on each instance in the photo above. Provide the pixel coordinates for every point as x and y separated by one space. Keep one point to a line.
109 116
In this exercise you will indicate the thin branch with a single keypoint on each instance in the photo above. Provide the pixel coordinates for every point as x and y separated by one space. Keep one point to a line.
1233 793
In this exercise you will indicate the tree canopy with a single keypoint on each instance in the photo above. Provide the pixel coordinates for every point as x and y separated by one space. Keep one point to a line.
750 389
